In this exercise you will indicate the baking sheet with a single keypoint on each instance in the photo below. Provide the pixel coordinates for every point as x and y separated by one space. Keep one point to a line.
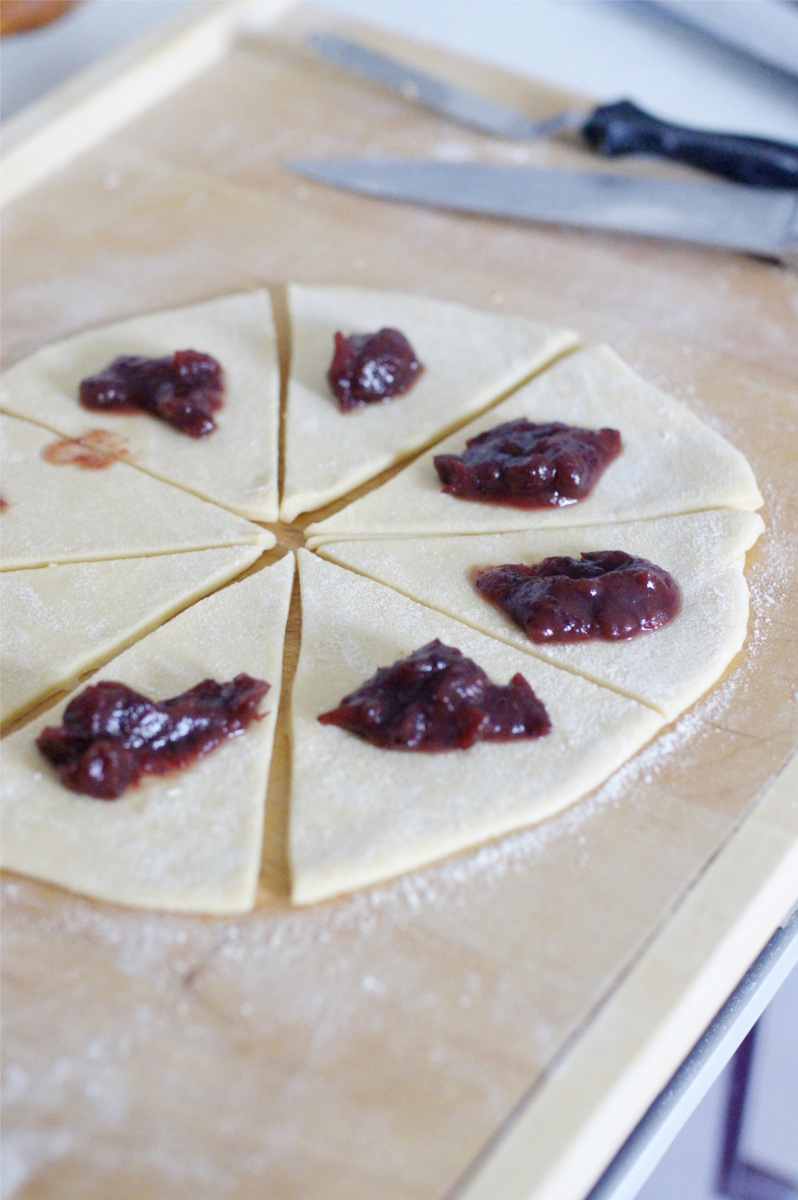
390 1043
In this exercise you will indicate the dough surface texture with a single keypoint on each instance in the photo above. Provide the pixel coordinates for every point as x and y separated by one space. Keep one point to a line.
66 514
61 621
359 814
667 669
190 841
236 465
671 462
470 360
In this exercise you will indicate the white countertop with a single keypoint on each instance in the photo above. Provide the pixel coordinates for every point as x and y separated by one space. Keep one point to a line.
605 48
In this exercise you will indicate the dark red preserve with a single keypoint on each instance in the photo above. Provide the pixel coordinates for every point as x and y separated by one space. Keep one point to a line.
437 699
184 390
370 367
111 735
607 594
529 466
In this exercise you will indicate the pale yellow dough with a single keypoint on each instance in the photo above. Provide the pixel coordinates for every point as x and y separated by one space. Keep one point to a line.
61 621
668 669
187 842
671 462
470 360
360 814
67 514
236 465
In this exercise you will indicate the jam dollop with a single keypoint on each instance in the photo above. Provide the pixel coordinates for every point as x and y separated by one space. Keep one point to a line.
606 594
184 390
367 368
529 466
111 735
93 451
437 699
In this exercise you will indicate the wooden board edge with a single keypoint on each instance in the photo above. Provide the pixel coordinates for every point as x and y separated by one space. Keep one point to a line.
560 1139
99 100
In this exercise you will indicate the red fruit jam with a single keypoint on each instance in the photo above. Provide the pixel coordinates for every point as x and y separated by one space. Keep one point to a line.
111 735
607 595
529 466
184 390
437 699
370 367
92 451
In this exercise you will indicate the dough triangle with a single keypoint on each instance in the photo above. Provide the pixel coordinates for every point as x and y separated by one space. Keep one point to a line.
61 621
470 359
190 841
671 462
359 814
236 465
668 669
67 514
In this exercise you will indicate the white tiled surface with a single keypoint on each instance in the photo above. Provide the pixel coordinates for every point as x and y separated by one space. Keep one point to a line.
610 50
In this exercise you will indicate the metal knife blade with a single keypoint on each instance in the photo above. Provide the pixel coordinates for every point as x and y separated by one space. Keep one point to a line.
715 214
610 130
417 86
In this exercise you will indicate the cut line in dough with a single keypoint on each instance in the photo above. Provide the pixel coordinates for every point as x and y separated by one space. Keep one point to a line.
190 841
671 462
471 359
667 669
360 815
59 514
236 465
61 621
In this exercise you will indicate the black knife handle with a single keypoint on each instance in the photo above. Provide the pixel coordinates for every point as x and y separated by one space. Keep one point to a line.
623 128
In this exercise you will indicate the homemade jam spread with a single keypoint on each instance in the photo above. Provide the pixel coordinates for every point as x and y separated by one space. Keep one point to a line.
184 390
437 699
529 466
368 368
111 735
92 451
606 594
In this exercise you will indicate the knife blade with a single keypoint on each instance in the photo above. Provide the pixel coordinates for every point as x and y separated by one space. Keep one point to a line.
610 129
763 223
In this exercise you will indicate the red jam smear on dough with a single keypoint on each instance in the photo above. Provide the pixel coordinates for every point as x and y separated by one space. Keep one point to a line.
437 699
184 390
92 451
606 595
368 368
111 735
3 505
529 466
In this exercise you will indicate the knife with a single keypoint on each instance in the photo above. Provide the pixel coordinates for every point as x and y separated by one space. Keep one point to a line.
753 220
610 129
